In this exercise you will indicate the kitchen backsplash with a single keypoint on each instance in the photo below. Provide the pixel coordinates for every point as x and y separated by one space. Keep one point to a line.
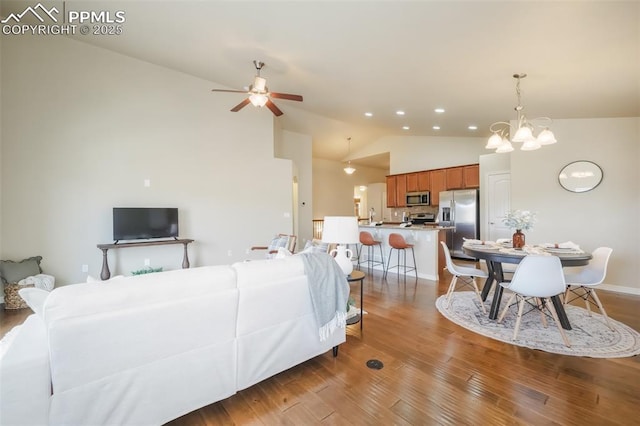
396 213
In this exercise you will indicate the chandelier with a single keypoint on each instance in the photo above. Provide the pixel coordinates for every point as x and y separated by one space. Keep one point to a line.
349 170
524 133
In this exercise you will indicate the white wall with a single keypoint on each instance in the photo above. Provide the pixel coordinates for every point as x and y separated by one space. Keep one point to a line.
609 215
297 147
333 188
415 153
83 128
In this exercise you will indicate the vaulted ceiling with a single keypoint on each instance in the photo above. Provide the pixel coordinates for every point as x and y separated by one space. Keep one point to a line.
350 57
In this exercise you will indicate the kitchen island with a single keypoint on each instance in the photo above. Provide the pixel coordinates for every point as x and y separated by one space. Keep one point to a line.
425 239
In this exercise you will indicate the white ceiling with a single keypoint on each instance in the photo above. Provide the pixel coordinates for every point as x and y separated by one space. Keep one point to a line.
347 57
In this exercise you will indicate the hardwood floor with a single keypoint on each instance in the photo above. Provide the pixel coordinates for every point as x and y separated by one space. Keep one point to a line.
435 372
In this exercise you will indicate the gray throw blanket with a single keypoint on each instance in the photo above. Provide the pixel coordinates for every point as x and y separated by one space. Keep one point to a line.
329 291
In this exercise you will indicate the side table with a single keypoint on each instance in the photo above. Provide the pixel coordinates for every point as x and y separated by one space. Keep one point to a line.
354 277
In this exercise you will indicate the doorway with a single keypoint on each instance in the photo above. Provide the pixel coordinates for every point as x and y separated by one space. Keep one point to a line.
498 204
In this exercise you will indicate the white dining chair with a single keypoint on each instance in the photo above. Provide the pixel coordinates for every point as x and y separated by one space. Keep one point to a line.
583 281
540 278
467 275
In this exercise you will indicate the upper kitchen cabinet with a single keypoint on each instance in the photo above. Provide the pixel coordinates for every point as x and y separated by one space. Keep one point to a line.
391 191
401 190
438 183
418 181
454 177
463 177
412 182
424 181
471 176
397 191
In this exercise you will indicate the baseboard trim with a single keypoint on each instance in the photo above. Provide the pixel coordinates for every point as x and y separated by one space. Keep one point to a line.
620 289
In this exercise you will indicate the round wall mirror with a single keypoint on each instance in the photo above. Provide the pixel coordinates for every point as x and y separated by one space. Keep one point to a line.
580 176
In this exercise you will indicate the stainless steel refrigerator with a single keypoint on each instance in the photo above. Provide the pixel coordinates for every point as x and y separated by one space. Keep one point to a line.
460 209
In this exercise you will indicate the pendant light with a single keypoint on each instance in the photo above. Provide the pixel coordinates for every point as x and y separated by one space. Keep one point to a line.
349 170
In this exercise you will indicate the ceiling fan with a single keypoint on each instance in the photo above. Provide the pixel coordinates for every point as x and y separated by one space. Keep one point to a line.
259 94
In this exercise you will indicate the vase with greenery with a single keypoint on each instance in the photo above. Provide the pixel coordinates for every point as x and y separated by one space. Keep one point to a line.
520 220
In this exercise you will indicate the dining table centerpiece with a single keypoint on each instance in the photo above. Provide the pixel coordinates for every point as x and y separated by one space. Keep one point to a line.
520 220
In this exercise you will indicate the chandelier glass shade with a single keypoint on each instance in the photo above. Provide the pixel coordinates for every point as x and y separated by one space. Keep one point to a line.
524 132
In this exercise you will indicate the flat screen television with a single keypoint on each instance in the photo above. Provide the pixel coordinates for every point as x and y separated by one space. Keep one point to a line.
137 223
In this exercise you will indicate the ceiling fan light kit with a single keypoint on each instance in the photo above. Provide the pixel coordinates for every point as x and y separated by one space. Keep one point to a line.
259 95
524 133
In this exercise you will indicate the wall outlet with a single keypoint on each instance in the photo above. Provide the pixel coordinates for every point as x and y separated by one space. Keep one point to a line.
147 183
229 253
247 251
85 268
147 262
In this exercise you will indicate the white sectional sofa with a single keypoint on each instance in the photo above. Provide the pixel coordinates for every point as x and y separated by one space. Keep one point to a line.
150 348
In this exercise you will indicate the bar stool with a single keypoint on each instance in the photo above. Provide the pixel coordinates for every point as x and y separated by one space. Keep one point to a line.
397 242
366 239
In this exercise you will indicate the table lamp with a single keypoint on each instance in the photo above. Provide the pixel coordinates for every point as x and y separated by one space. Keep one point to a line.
341 230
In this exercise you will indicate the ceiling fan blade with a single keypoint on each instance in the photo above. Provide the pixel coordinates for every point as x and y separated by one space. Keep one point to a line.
231 91
274 109
240 105
286 96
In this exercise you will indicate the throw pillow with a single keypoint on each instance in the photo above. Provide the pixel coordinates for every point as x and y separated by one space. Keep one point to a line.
35 298
315 246
12 272
277 242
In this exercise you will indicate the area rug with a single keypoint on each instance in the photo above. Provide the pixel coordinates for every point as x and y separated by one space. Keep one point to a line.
589 337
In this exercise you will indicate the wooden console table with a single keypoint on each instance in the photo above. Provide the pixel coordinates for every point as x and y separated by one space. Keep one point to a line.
105 274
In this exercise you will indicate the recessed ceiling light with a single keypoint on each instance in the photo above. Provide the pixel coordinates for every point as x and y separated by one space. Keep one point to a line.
439 110
436 127
405 127
400 112
368 114
473 127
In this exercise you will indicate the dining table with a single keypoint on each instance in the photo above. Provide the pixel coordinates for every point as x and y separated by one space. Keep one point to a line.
496 254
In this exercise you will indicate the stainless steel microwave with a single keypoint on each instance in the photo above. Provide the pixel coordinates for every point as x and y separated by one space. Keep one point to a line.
418 199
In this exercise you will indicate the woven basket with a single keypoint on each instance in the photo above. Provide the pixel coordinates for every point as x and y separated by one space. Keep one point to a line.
12 299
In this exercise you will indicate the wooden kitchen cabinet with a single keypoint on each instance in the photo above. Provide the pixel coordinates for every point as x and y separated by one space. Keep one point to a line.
434 181
438 183
463 177
401 190
424 181
412 182
454 178
397 191
471 176
391 191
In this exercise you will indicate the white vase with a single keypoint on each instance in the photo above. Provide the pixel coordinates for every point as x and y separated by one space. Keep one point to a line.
343 255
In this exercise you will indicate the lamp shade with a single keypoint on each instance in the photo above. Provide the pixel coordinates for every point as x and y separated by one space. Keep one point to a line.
494 141
546 137
505 146
340 230
530 145
523 134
